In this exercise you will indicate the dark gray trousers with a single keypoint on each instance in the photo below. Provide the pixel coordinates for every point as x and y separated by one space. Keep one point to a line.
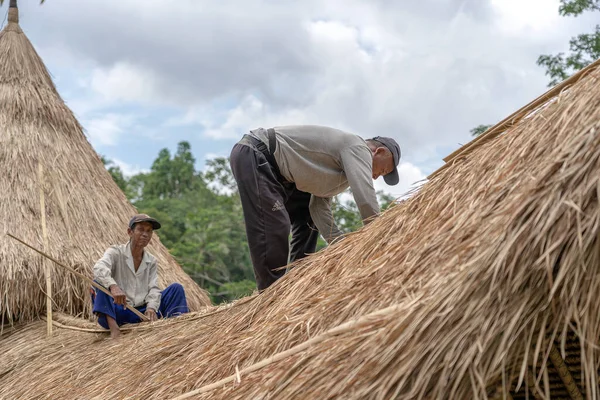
272 207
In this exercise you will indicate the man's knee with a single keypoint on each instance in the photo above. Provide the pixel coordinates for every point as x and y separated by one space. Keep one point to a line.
102 320
176 287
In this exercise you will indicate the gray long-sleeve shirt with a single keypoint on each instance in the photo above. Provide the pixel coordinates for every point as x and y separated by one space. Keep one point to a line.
116 268
324 162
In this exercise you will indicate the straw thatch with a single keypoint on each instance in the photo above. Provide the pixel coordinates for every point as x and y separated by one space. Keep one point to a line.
85 211
484 284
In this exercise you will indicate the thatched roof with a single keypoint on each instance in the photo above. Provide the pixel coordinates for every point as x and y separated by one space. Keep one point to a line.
85 211
485 281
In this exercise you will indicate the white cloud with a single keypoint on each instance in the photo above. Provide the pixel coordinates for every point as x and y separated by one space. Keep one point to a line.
106 129
426 91
424 72
129 169
124 81
518 17
250 113
410 177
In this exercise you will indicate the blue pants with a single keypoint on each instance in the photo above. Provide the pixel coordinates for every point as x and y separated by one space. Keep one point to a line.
172 303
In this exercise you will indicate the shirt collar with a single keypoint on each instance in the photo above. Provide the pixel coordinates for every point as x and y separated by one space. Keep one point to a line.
145 258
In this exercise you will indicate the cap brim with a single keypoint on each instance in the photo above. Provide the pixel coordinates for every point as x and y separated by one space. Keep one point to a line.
392 178
155 223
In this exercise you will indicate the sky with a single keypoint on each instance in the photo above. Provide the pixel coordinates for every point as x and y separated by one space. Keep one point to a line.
142 75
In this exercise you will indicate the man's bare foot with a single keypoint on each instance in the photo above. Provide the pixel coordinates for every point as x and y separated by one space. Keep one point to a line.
116 335
115 332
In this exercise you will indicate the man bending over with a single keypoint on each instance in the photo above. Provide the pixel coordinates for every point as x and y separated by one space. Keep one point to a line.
287 176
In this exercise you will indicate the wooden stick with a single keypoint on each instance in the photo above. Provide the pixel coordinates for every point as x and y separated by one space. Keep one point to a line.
338 330
97 330
78 329
90 281
44 261
137 327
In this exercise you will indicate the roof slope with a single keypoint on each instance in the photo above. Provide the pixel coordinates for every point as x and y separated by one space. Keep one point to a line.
486 273
489 270
85 210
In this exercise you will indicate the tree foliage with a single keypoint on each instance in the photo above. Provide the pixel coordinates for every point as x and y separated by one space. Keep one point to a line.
576 7
117 174
479 130
13 3
583 48
202 219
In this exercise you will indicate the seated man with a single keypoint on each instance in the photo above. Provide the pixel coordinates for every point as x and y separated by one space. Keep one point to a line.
130 274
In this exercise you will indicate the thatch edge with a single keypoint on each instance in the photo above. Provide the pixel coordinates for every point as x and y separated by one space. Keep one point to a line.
513 119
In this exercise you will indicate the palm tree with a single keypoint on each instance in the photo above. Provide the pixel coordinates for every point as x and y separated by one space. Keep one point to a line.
13 3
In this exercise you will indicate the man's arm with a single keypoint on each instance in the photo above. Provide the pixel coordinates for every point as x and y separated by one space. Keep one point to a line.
320 211
103 270
153 297
104 267
357 163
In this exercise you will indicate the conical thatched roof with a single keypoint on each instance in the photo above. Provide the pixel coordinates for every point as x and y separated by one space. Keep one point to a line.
85 211
484 281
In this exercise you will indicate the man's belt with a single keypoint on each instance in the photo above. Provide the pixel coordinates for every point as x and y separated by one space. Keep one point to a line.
268 151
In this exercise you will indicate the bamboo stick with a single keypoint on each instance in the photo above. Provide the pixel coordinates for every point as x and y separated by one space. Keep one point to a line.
142 327
90 281
340 329
45 244
78 329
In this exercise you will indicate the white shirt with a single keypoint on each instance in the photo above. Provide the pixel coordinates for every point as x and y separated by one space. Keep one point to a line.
116 268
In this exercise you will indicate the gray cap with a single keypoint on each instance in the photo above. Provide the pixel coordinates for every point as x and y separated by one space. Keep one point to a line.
392 178
144 218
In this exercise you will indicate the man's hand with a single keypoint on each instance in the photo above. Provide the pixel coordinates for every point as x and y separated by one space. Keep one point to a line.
151 314
118 294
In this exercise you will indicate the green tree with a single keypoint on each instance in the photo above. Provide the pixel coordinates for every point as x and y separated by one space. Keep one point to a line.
183 174
202 218
583 48
479 130
117 174
347 216
169 177
219 173
203 228
13 3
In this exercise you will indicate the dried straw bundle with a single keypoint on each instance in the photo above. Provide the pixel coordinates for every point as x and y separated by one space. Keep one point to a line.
467 290
85 210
